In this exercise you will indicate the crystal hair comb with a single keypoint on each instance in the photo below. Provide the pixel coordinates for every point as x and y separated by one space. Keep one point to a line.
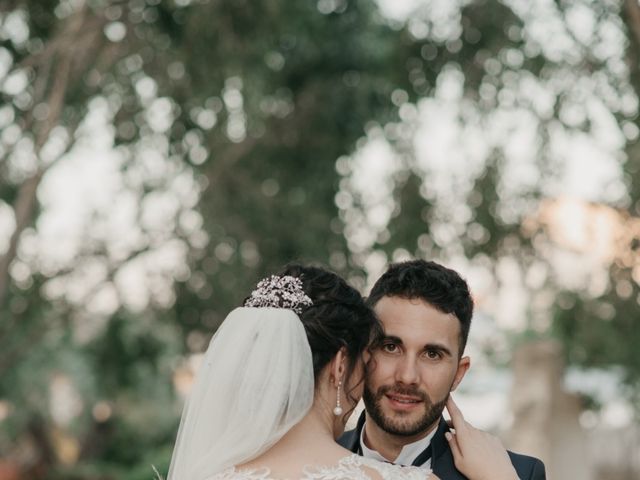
279 292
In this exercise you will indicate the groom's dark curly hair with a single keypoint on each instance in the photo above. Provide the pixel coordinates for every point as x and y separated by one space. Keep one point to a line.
439 286
338 318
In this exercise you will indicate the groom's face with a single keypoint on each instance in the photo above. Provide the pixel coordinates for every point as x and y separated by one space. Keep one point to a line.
416 366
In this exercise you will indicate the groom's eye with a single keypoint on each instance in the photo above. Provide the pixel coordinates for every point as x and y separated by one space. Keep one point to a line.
390 347
433 354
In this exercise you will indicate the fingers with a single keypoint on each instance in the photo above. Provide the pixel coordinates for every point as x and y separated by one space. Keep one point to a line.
455 448
456 415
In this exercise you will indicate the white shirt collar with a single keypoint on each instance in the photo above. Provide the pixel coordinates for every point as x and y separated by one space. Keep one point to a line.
408 453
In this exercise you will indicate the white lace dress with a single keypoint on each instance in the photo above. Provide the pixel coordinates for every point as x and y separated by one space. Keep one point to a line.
348 468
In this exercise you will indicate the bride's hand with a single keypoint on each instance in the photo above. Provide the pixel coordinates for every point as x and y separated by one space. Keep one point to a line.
477 454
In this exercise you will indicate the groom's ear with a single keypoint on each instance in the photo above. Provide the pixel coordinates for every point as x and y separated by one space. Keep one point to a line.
463 367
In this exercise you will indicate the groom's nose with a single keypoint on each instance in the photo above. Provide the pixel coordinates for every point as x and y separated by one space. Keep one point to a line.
407 370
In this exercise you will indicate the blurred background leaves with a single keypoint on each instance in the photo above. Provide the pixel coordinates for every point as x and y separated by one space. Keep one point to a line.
230 138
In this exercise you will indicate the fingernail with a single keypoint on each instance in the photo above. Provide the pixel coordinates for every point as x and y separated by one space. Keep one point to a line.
448 436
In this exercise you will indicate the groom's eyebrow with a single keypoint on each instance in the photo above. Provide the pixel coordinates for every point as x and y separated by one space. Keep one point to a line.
392 338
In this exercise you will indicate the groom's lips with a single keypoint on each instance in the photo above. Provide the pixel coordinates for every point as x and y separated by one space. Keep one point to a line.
403 402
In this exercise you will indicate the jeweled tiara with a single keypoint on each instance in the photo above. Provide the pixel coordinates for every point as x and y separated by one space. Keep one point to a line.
279 292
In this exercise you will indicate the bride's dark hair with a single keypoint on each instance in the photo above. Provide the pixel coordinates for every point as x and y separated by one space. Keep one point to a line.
338 318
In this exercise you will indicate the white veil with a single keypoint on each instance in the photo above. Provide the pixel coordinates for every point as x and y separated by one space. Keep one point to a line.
255 383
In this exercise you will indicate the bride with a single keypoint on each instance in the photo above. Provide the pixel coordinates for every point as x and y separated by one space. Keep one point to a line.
279 380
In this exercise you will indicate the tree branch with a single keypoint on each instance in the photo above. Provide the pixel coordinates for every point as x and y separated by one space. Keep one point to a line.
633 9
26 201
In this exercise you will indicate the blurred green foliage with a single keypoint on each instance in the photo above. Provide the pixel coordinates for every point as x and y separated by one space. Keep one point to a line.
259 99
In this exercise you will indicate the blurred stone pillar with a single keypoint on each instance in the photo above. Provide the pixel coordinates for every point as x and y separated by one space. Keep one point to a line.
546 417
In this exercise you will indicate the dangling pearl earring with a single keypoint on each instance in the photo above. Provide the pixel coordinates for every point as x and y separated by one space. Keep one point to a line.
338 410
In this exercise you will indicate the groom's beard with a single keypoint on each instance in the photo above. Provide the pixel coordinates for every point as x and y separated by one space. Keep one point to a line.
395 424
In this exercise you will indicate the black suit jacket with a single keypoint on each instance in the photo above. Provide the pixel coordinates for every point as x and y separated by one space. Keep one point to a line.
528 468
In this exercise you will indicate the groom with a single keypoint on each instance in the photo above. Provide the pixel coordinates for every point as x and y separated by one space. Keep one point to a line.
426 312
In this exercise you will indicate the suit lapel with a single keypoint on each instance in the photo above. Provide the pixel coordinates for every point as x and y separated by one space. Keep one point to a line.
439 442
442 459
351 439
